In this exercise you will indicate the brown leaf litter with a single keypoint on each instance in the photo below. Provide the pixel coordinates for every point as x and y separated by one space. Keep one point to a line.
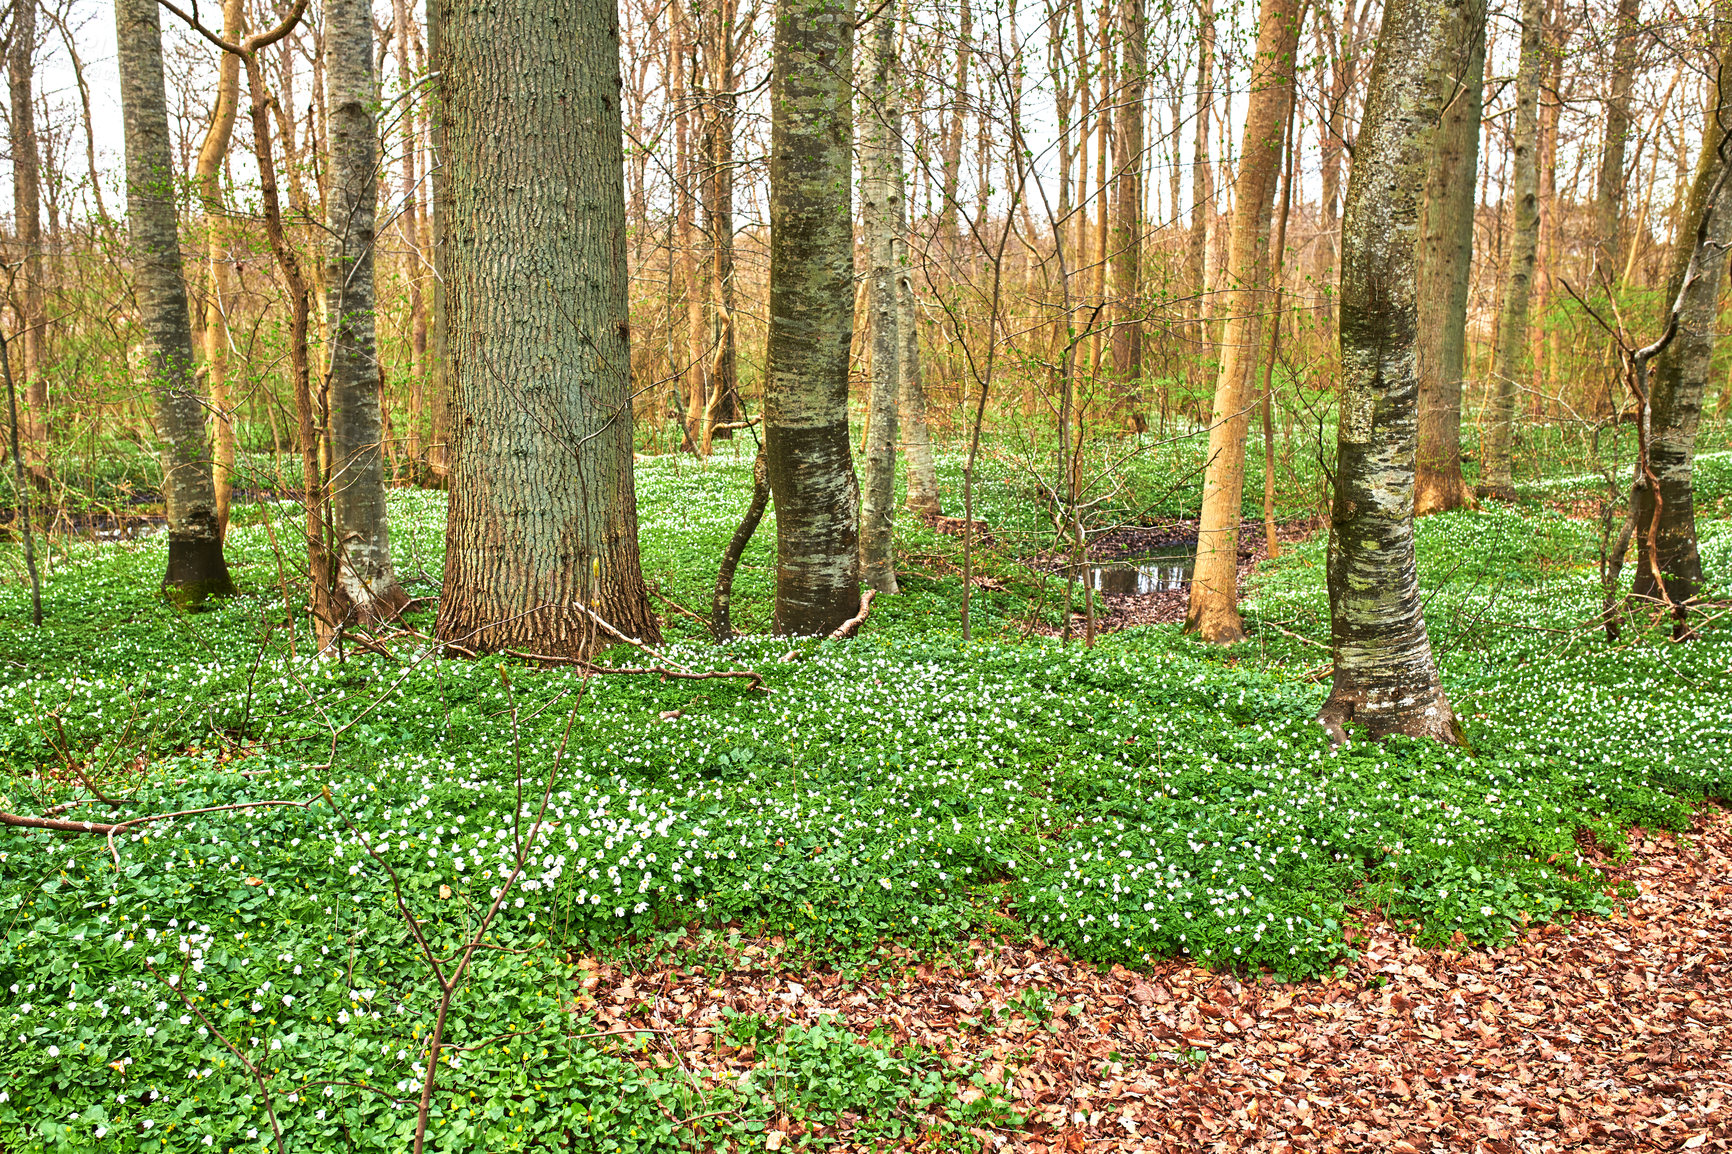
1604 1034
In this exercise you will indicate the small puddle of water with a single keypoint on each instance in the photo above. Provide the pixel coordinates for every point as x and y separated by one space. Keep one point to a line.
1163 572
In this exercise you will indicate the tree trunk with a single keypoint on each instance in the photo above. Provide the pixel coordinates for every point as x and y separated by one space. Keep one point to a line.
1385 677
543 524
811 321
196 569
442 393
1445 258
409 226
1666 528
722 53
366 587
1214 613
1498 480
689 174
880 160
27 215
1609 192
1127 243
951 161
208 182
1202 179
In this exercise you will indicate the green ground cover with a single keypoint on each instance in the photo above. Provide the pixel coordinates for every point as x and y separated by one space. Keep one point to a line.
1144 799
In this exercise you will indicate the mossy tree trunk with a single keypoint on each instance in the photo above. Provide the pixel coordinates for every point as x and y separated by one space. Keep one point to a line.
1384 676
366 586
1445 260
1214 612
1664 505
196 568
543 523
880 158
1498 452
812 318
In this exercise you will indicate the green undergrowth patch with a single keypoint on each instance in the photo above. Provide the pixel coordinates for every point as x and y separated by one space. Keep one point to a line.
1148 798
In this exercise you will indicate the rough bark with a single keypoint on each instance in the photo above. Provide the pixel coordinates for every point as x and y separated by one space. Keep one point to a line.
811 319
208 180
1384 677
366 587
1609 190
543 522
1498 451
1445 260
1665 529
1214 613
1127 241
27 217
196 569
880 159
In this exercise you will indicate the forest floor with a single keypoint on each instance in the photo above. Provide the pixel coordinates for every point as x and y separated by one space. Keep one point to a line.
1607 1033
1004 893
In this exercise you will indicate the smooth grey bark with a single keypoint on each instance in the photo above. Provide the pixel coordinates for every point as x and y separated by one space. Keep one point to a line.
880 158
916 432
207 176
409 224
196 569
27 218
1202 177
722 47
1609 189
812 318
1446 259
1384 676
366 585
1662 506
542 534
1518 286
440 394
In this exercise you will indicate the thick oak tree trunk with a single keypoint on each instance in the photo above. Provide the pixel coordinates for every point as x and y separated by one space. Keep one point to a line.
196 568
366 585
1445 258
543 524
1385 678
812 319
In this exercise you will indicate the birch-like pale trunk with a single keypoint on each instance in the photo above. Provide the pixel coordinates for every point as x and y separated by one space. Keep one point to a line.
880 160
366 587
1384 678
207 178
196 569
1213 614
812 318
543 523
27 221
1665 536
1445 260
1497 479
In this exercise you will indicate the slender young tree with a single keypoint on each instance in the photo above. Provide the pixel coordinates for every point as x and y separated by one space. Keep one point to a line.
1214 612
196 569
366 586
27 214
812 318
1127 240
542 535
1662 500
1202 179
1384 678
1609 190
1445 259
1518 285
409 227
912 426
880 158
441 388
212 154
